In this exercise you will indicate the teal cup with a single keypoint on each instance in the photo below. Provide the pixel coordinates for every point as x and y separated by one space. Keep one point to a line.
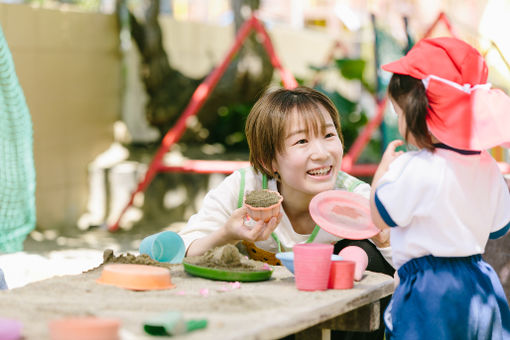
166 246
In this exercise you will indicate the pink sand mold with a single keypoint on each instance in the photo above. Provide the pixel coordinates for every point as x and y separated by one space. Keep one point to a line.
84 328
358 256
10 329
312 263
344 214
341 275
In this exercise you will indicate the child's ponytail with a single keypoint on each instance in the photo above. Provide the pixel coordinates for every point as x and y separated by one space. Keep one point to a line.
409 94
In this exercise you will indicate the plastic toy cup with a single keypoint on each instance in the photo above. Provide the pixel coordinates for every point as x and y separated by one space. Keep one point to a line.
265 213
10 329
84 328
287 259
312 262
341 275
166 246
358 256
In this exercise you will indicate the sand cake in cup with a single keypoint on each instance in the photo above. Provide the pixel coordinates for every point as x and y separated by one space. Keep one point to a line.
263 204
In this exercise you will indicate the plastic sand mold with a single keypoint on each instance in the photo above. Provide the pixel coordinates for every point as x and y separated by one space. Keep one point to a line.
226 275
84 328
172 323
344 214
136 277
10 329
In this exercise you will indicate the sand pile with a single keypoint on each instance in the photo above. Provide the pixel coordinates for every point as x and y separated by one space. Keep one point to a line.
226 257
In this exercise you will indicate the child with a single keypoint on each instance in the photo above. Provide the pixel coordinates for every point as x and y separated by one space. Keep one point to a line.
446 200
296 148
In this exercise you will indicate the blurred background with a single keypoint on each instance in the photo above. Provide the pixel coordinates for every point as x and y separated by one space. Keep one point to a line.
105 80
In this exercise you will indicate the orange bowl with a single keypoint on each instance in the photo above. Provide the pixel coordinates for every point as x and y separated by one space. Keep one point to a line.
84 328
136 277
265 213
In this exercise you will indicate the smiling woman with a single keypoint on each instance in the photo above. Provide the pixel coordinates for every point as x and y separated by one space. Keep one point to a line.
296 149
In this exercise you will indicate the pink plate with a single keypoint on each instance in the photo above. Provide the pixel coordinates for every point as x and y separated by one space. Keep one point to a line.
343 214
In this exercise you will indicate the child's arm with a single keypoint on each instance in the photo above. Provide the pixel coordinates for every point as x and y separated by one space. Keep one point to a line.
389 156
234 231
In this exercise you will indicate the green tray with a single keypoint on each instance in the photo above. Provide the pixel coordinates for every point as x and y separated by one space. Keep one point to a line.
226 275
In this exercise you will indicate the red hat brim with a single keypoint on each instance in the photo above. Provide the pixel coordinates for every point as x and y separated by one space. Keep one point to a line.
396 67
401 66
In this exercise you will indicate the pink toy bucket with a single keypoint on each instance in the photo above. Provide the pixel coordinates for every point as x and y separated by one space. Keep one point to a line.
312 263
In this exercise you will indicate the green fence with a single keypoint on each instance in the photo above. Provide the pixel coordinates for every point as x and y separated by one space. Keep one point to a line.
17 173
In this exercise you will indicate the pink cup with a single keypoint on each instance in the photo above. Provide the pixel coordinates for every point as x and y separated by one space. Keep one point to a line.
312 263
341 275
357 255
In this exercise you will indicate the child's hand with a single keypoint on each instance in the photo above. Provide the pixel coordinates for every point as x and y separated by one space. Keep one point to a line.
382 240
237 230
391 154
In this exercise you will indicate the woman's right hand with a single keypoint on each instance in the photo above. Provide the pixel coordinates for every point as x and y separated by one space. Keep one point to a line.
236 229
233 231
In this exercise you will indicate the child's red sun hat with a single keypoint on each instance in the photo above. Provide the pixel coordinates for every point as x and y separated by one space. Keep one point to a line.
464 112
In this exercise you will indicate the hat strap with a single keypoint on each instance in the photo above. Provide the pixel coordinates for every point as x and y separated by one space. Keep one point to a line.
467 88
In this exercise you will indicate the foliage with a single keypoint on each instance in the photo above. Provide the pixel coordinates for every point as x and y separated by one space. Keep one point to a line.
353 69
230 128
353 118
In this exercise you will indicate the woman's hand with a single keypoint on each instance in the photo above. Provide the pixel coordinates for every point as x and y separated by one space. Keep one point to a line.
233 231
236 229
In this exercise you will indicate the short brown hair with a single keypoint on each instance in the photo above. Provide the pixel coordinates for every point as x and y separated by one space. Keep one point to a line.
410 95
266 123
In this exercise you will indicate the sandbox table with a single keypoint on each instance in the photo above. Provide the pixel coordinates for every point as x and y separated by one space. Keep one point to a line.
258 310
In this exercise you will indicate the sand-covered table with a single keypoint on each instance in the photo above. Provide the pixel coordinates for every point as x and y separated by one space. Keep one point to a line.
257 310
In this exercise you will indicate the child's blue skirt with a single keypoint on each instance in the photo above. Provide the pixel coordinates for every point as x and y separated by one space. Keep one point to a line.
448 298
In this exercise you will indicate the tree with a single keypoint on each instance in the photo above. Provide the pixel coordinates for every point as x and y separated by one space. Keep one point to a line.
169 91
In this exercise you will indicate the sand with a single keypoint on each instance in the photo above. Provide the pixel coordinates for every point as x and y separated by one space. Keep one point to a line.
261 198
227 257
247 310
